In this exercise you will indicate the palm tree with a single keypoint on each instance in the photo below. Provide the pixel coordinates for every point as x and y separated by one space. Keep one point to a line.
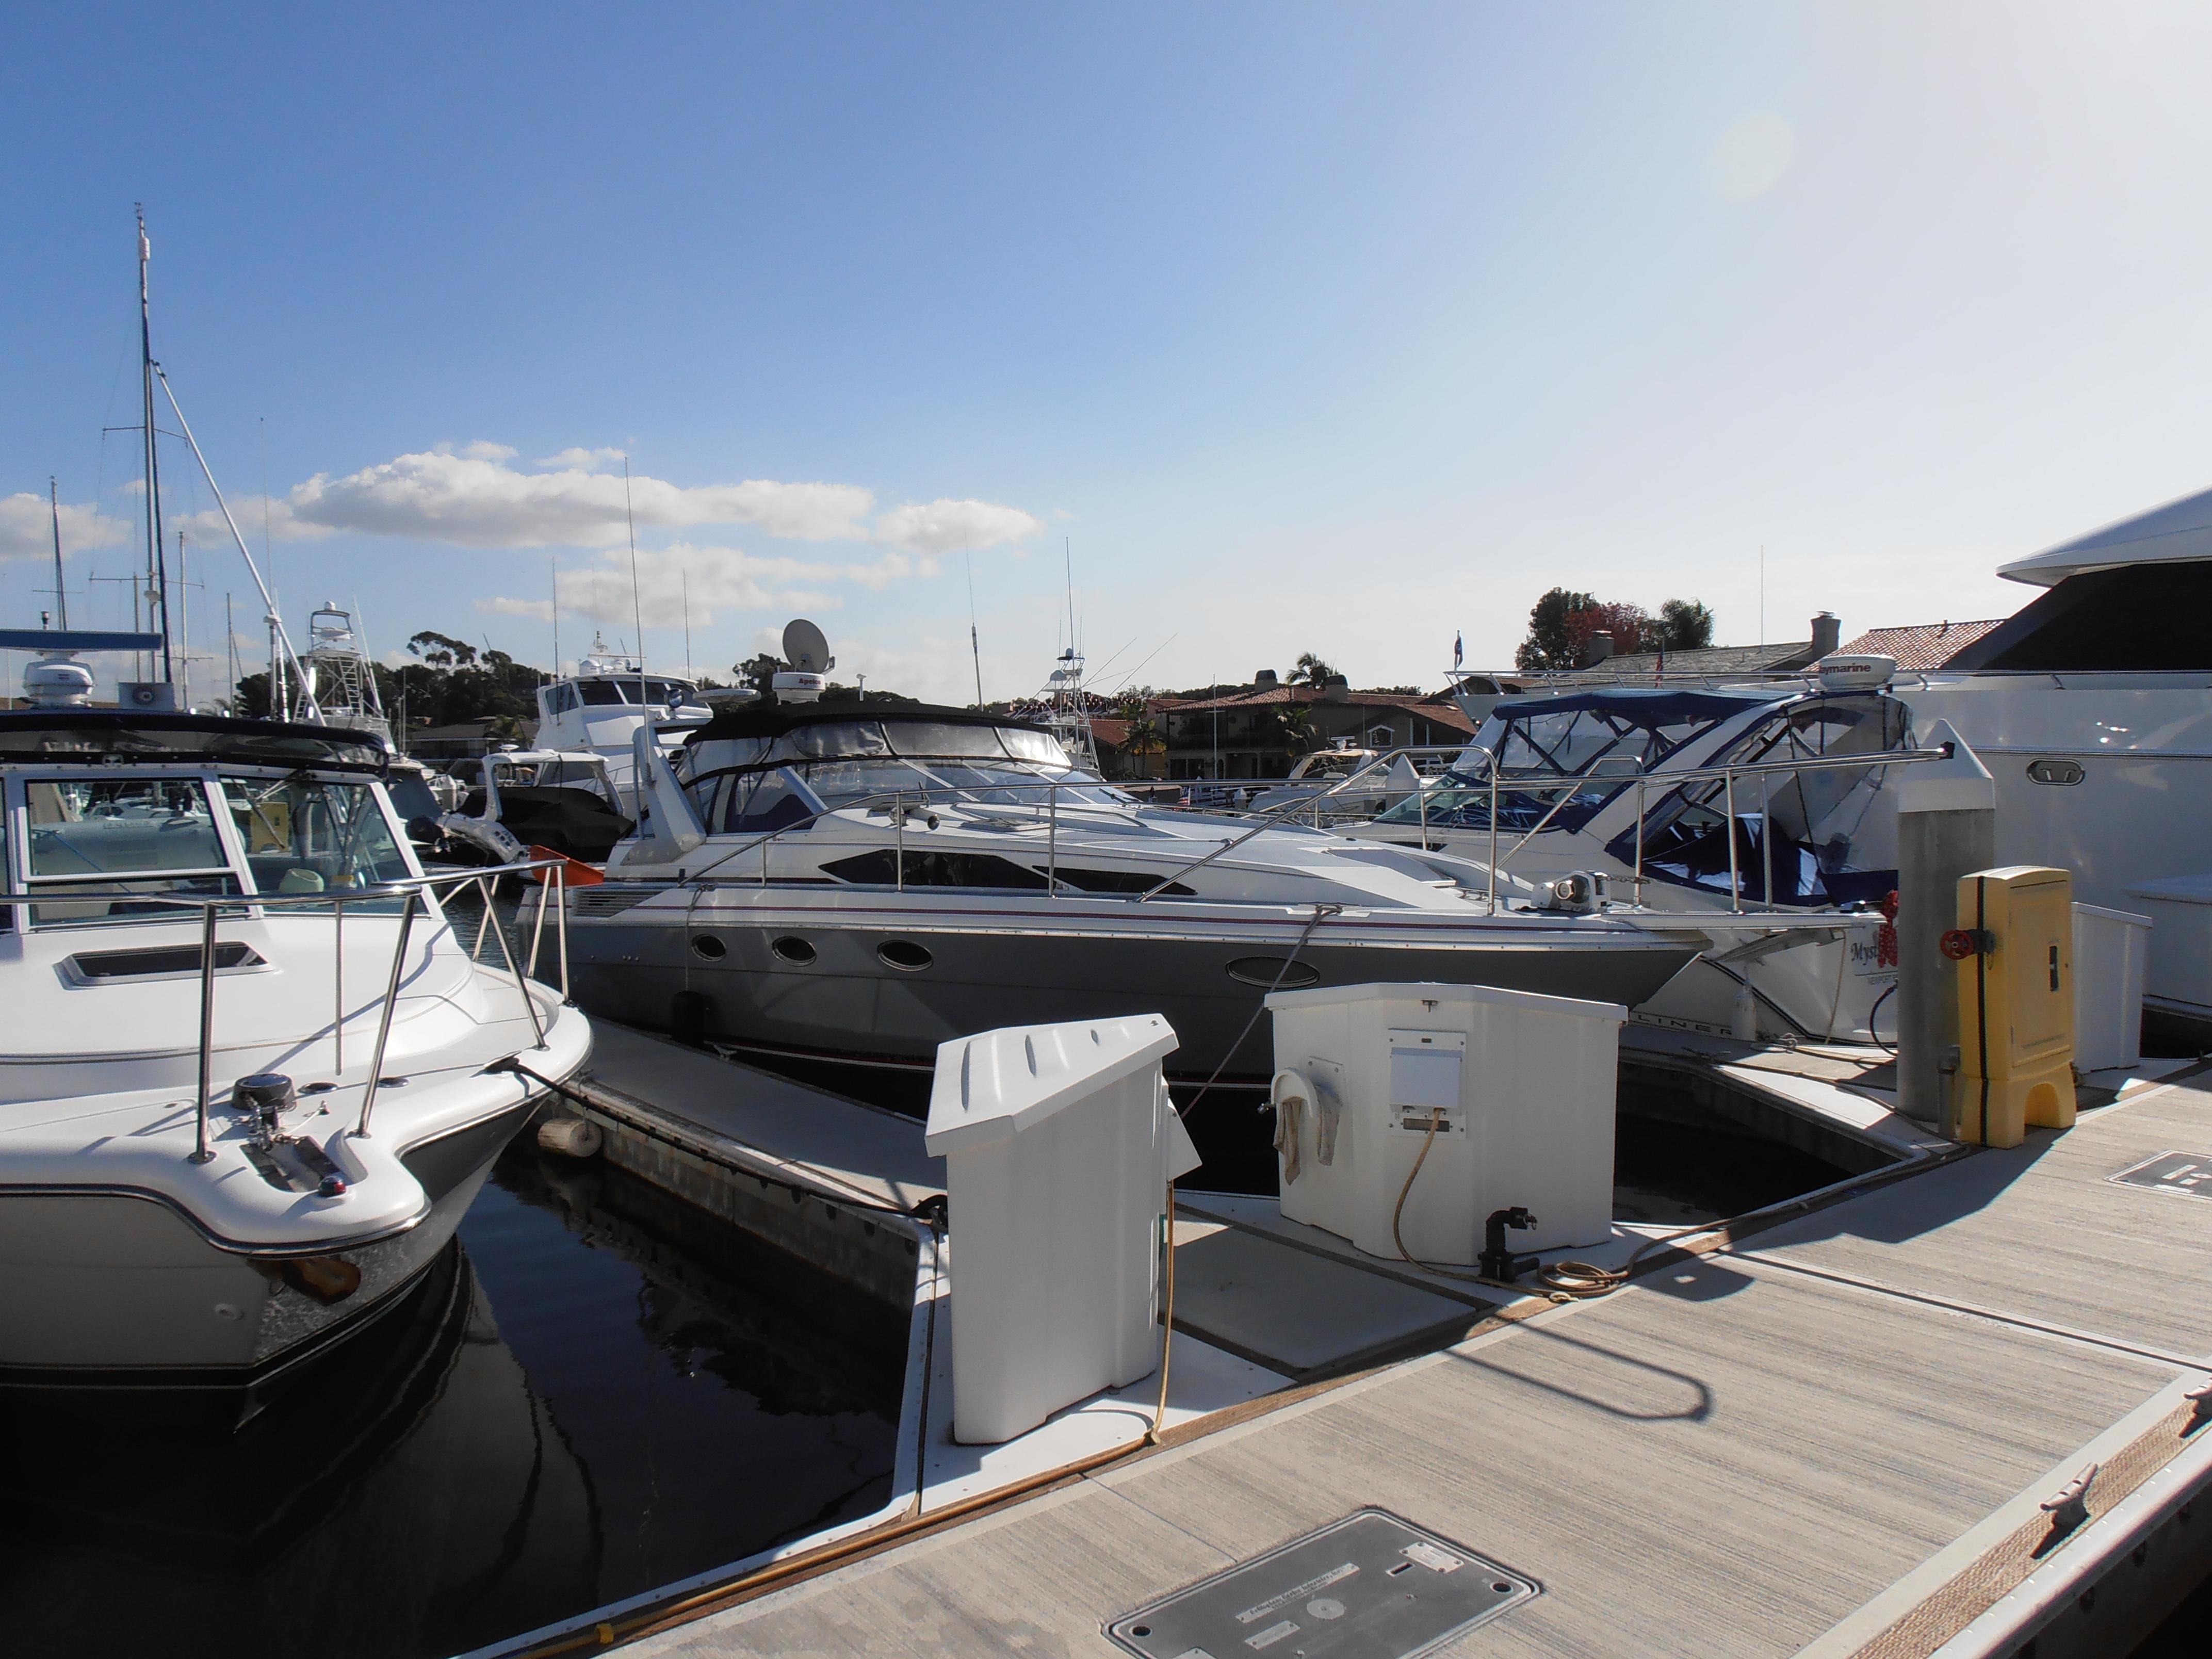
1146 739
1311 670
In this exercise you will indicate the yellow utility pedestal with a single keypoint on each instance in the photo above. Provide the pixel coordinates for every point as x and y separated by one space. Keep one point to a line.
2015 948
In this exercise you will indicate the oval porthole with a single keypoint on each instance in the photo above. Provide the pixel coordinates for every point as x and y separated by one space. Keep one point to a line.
707 948
2055 771
1264 972
793 949
903 953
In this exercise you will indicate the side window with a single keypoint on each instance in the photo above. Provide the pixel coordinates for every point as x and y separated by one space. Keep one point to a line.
760 801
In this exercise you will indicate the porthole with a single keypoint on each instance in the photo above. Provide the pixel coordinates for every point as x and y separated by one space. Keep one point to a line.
905 954
2061 772
707 948
793 949
1273 973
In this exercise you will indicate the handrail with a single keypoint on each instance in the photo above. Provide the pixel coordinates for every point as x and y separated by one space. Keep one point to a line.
410 889
1268 819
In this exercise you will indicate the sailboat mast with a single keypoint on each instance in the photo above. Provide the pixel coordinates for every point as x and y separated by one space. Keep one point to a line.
157 565
61 591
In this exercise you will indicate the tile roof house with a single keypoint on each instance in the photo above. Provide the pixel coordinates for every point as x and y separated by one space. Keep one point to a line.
1924 646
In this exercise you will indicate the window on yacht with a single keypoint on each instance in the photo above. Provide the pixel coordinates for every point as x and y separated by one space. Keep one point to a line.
757 802
564 698
307 835
601 692
120 837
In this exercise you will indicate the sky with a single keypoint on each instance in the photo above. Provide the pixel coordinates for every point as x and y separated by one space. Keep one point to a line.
1265 328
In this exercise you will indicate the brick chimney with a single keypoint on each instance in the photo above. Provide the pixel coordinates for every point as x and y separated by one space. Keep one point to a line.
1827 634
1264 680
1336 688
1598 649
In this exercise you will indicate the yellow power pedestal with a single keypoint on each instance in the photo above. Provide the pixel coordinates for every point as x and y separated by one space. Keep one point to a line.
2015 948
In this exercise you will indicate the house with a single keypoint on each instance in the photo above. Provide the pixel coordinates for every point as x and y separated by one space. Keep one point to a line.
1720 662
1922 645
1263 729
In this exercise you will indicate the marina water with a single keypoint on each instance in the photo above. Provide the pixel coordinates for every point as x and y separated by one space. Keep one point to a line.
598 1391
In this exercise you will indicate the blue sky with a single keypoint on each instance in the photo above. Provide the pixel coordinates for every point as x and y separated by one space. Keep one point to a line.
1302 327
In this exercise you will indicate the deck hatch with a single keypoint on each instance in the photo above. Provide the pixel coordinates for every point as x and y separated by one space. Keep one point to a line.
2188 1174
158 961
1370 1586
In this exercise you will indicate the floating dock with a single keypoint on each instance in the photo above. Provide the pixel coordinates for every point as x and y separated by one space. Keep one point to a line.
1847 1426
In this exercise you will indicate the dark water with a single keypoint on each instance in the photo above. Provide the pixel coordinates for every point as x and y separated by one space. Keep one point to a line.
601 1391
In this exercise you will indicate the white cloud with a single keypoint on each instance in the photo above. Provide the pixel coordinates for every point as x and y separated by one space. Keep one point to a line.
1750 156
711 578
471 501
582 461
482 451
27 527
950 526
252 512
536 609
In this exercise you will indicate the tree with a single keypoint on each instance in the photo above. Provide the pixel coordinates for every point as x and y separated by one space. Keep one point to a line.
1294 721
1311 670
1630 625
441 650
1684 625
1144 740
1551 643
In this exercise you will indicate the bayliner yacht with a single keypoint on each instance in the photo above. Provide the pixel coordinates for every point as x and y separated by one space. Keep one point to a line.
1813 832
250 1077
865 880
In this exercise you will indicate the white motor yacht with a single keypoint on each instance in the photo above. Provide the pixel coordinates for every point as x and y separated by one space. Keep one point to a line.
865 880
599 709
251 1077
1618 782
2092 707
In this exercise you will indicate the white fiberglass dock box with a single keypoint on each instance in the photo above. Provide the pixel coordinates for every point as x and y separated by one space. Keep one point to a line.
2112 952
1059 1142
2179 976
1521 1088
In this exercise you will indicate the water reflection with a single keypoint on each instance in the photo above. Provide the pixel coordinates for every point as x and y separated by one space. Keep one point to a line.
598 1391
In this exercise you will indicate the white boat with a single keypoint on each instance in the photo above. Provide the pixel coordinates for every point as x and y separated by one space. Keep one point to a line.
866 881
599 709
251 1076
2092 707
514 800
1621 783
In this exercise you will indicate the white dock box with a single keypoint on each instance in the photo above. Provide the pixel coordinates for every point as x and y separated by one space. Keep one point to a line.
2180 974
1522 1085
1059 1142
2110 953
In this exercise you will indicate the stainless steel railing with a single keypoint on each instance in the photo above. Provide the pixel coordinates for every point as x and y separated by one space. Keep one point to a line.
410 891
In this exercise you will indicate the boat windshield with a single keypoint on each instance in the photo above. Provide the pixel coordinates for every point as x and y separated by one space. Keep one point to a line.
310 836
106 847
607 692
1815 833
1599 741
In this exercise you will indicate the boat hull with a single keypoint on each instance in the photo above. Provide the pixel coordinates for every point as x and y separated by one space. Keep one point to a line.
725 971
108 1287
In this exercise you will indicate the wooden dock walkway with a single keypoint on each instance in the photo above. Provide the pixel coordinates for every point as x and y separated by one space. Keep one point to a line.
1830 1438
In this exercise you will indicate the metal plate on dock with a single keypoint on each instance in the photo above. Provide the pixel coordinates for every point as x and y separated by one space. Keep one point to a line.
2189 1174
1370 1586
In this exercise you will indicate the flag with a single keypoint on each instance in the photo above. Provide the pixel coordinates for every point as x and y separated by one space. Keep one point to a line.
1459 649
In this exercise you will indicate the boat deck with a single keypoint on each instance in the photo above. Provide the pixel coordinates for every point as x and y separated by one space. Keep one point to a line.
1830 1436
